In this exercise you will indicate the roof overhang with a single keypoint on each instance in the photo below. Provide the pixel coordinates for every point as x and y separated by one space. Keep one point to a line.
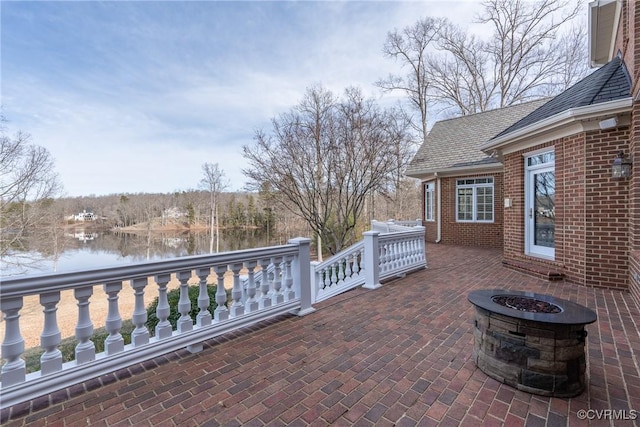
456 171
566 123
603 26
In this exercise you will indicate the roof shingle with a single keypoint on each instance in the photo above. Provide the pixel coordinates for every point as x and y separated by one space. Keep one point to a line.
608 83
454 142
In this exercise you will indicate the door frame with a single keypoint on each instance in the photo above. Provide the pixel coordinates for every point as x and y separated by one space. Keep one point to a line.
530 248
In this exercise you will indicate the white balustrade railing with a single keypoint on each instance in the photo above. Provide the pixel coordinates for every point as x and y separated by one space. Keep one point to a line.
288 290
392 225
401 252
377 257
339 273
275 280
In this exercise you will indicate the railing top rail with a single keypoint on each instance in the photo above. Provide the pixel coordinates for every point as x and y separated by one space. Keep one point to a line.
414 232
50 282
356 246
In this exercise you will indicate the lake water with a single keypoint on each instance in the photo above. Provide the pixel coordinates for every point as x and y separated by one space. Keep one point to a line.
85 250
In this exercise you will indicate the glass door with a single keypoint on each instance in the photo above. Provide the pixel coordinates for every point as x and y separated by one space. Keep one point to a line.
540 211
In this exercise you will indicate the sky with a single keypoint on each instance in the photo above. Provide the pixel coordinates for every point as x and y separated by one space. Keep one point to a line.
134 97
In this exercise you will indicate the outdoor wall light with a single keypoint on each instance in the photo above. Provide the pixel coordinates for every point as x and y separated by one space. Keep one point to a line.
621 167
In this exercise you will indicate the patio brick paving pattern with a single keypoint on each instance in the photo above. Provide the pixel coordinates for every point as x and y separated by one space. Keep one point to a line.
399 355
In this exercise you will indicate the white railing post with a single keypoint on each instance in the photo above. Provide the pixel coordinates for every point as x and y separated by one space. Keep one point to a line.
221 312
203 318
265 286
315 280
185 322
277 296
114 342
288 292
85 349
51 360
140 335
237 308
371 260
251 304
163 327
14 370
303 281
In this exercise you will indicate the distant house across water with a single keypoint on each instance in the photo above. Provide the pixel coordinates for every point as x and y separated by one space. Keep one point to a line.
83 216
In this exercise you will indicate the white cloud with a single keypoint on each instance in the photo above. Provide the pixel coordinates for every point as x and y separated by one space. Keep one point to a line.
136 96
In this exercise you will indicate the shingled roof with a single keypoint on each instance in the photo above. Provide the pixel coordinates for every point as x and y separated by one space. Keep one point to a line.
609 83
453 143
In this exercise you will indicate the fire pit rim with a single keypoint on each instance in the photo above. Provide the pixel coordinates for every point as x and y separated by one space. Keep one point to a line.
571 314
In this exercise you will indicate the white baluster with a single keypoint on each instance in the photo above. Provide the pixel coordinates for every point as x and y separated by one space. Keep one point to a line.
277 296
289 293
51 360
140 335
341 274
325 275
334 274
386 256
348 261
204 315
237 309
85 349
357 262
221 312
265 298
404 260
14 370
185 322
393 247
251 304
163 327
114 342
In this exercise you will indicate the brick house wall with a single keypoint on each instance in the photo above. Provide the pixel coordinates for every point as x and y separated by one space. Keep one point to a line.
634 206
470 233
607 213
569 206
627 44
592 210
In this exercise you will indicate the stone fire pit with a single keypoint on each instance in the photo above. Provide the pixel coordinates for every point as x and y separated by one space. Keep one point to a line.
532 342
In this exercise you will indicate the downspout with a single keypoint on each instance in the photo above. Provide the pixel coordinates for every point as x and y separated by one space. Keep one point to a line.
438 203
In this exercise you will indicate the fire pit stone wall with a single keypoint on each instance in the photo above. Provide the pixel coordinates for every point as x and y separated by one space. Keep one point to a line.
544 357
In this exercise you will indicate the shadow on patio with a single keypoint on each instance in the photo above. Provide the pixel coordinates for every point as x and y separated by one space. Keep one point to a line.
398 355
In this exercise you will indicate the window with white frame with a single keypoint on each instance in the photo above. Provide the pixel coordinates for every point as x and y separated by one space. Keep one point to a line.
474 200
428 202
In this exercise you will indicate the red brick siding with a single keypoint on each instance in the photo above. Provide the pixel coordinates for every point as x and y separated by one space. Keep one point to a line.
634 275
591 209
471 233
570 214
634 205
569 237
607 213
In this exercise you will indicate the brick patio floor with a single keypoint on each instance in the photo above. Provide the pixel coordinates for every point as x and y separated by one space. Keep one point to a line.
399 355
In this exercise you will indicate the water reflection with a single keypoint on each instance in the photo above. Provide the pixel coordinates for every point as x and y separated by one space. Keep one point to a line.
81 249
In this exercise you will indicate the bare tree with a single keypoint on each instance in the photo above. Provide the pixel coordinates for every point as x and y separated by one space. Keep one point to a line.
461 77
410 47
214 183
323 158
27 185
533 52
